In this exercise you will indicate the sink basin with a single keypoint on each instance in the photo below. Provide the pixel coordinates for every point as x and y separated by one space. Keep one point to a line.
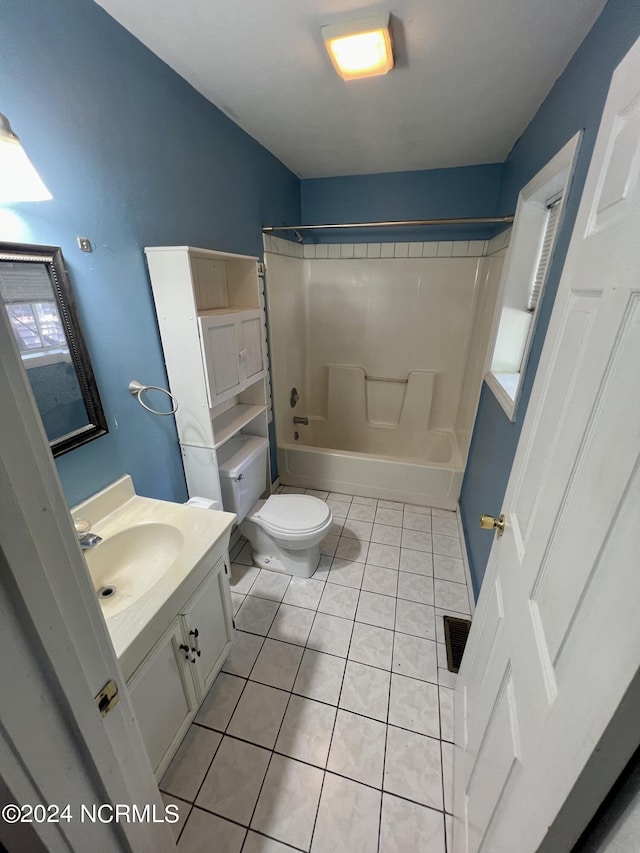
127 564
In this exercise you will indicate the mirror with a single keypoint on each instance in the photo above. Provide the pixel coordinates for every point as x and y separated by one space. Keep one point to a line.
36 294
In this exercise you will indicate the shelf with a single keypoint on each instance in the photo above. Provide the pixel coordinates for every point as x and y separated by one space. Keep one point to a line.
230 422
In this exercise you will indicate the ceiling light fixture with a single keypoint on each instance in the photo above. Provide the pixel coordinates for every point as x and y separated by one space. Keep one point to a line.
19 180
360 48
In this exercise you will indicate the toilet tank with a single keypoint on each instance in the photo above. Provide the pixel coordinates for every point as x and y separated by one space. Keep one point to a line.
242 464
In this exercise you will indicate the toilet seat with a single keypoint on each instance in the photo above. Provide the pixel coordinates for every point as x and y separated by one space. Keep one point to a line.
293 515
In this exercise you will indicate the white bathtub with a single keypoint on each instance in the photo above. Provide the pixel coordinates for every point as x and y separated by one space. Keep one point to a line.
434 480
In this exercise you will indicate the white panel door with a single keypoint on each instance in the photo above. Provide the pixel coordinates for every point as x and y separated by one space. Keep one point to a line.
221 345
253 366
555 640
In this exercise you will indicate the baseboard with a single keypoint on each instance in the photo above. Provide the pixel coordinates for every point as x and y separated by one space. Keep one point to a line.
465 560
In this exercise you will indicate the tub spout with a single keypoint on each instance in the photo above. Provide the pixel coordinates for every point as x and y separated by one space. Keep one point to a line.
303 421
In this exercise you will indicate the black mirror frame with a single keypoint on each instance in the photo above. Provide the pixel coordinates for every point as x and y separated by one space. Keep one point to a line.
51 257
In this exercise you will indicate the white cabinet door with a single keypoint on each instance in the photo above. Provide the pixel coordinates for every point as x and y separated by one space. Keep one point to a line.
252 363
220 335
233 353
163 697
208 625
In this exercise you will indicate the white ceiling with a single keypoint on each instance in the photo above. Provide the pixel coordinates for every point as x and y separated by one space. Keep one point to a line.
469 76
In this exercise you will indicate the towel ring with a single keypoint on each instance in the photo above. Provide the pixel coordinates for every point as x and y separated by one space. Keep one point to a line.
136 389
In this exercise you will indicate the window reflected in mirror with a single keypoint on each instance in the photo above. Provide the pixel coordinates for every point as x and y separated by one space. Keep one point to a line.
36 293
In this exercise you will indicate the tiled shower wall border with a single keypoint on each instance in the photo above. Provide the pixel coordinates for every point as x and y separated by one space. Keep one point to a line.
442 249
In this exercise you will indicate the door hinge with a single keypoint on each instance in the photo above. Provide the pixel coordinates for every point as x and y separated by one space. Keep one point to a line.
108 697
261 269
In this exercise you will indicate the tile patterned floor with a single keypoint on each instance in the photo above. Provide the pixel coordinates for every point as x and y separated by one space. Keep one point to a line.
330 726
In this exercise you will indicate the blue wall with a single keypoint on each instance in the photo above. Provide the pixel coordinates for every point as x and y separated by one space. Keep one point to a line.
575 102
133 156
433 194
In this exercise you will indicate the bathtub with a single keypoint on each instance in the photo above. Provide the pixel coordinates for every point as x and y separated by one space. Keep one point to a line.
433 479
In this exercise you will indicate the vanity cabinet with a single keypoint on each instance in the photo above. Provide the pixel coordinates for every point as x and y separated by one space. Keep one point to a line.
233 352
163 696
169 685
207 622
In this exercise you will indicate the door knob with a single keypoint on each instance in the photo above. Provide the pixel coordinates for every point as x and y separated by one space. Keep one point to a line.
488 522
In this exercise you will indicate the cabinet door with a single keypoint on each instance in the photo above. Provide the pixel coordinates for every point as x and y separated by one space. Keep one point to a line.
163 698
221 345
252 364
209 613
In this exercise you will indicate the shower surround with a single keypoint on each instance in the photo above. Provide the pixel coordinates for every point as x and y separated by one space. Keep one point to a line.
387 356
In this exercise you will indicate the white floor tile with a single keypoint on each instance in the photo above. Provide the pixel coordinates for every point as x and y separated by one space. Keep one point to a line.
353 529
414 705
386 534
330 634
365 691
378 610
329 544
387 556
304 592
416 562
415 657
416 619
246 765
242 577
442 513
277 664
190 763
362 512
357 748
417 521
220 702
257 843
243 654
407 826
426 510
446 678
371 645
380 580
236 601
447 698
447 774
449 568
340 496
348 818
306 731
446 526
352 549
183 810
392 517
398 505
320 677
316 494
448 546
292 490
201 827
322 572
259 714
347 573
413 587
256 615
271 585
413 767
244 555
339 600
339 509
366 501
451 596
292 624
416 540
288 802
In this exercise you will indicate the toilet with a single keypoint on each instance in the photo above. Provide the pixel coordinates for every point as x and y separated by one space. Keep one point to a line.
285 531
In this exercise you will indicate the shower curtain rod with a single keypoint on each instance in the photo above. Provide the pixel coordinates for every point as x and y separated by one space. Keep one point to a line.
471 220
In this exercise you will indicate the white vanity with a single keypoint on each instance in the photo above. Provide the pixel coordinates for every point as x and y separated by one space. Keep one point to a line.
161 575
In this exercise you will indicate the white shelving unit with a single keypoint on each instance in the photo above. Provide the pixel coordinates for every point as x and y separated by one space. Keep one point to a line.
210 308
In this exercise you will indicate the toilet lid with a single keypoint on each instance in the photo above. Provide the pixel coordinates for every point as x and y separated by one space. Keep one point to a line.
294 513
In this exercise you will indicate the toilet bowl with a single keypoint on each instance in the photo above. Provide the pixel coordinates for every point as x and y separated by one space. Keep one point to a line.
285 533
